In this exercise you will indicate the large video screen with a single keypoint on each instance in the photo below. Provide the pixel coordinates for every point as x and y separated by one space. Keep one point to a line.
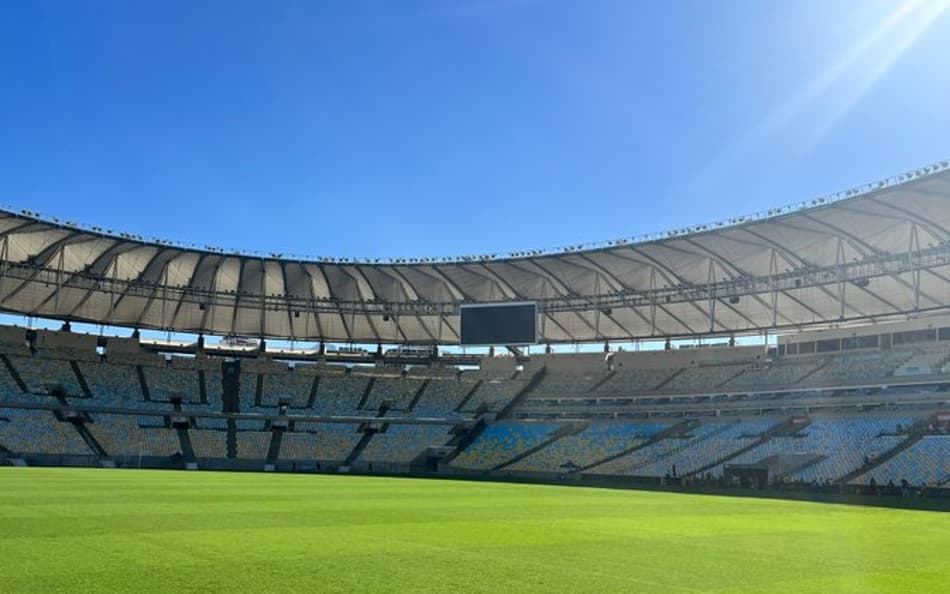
499 324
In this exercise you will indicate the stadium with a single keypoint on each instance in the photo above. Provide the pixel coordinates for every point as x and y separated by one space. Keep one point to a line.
847 402
423 296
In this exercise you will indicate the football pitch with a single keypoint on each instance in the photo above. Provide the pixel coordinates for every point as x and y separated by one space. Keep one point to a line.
95 530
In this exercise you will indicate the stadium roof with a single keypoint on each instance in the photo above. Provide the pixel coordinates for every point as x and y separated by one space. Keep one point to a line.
869 253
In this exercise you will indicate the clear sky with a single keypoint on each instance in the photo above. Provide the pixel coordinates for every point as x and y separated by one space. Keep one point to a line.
442 127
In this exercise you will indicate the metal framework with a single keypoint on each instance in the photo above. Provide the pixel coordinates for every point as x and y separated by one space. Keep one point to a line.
878 253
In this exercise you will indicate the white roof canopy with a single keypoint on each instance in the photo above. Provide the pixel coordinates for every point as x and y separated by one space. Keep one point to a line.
877 253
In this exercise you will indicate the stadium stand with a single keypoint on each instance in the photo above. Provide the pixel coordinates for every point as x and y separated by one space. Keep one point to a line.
926 462
862 367
594 443
779 374
442 396
41 374
502 442
402 443
577 414
564 383
925 362
208 444
493 394
292 387
169 381
698 447
340 395
24 431
397 392
840 444
320 441
851 442
628 381
120 435
116 385
694 380
252 444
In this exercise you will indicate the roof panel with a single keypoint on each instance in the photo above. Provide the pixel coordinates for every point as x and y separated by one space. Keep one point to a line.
622 289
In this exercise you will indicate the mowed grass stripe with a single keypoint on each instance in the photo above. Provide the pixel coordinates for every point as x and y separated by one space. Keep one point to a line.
120 530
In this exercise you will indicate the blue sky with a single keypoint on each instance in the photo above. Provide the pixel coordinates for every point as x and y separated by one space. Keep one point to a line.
416 128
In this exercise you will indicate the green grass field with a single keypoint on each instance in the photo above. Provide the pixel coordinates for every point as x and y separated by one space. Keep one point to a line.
127 530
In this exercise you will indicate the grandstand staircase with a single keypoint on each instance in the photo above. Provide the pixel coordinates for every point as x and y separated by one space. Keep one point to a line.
418 395
232 439
366 393
90 440
14 374
674 431
562 432
11 458
466 434
668 380
273 452
358 449
230 399
258 387
82 380
730 378
600 382
184 440
520 396
468 396
313 392
779 429
368 434
202 378
916 434
464 438
814 371
143 383
687 443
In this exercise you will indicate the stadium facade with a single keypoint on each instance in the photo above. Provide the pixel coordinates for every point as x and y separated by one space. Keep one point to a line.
857 286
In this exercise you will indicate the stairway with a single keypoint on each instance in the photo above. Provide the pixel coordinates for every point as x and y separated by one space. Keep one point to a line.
184 440
659 386
600 382
312 397
90 440
464 438
687 443
366 392
273 452
86 392
232 439
520 396
911 440
418 395
765 437
360 446
14 374
675 430
142 383
468 396
562 432
814 371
